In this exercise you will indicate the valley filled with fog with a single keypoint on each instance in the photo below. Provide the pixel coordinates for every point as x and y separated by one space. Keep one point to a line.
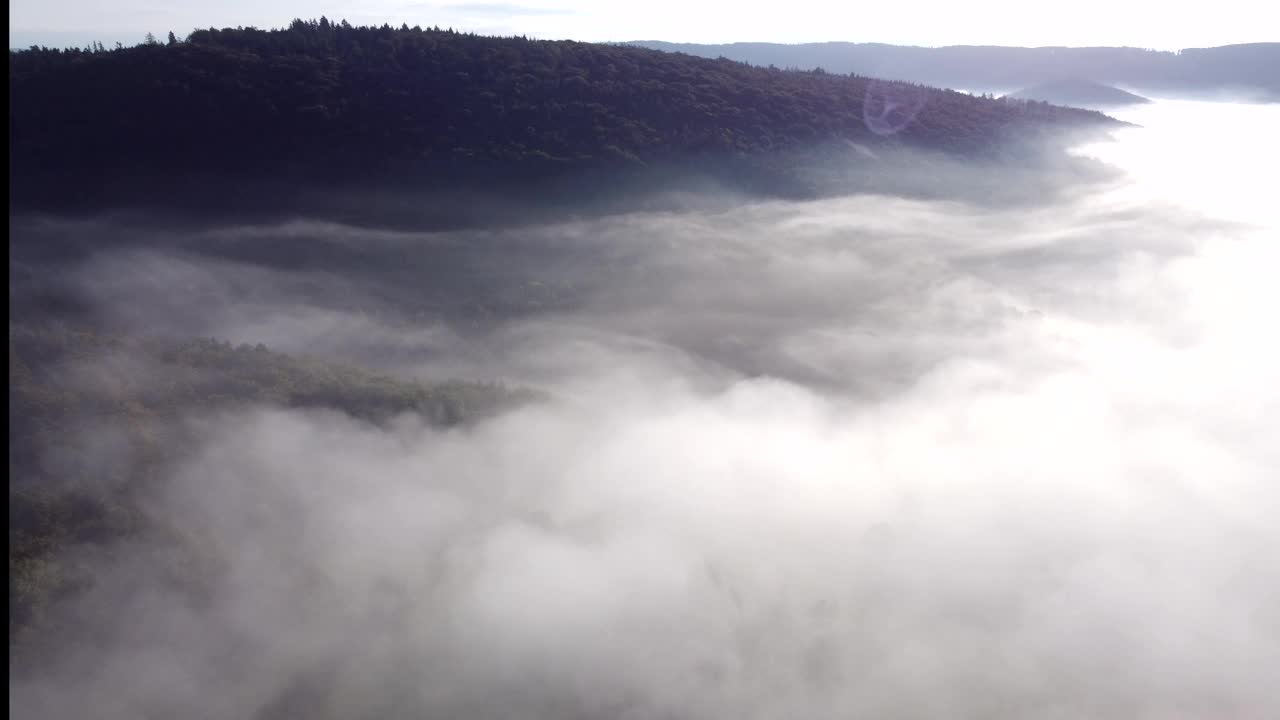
862 456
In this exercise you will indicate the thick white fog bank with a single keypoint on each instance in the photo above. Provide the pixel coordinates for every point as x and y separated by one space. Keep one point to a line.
1218 158
862 457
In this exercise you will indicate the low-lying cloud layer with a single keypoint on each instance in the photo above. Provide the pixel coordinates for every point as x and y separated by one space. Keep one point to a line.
864 456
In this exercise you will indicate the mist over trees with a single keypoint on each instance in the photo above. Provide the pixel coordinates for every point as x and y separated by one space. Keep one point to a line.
374 372
324 102
75 392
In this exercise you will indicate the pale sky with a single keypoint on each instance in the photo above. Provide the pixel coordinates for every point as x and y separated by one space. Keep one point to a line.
1162 24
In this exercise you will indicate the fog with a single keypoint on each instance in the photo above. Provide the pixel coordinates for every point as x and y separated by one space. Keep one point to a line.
866 456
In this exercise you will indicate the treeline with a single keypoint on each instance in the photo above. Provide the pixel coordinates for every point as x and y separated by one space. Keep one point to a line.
329 101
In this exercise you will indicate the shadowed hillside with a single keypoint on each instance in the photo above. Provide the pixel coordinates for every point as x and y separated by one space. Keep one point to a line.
325 102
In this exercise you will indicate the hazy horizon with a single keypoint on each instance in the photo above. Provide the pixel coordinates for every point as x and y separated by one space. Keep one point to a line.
1093 23
23 39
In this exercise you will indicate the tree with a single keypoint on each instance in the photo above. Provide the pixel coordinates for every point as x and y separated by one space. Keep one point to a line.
150 39
173 39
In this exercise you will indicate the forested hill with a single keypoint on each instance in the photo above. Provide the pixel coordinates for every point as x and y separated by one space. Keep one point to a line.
1080 93
323 100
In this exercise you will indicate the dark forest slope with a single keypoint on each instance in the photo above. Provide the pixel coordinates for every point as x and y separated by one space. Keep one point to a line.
323 101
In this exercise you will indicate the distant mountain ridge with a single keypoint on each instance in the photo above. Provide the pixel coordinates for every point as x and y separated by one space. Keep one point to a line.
1249 69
